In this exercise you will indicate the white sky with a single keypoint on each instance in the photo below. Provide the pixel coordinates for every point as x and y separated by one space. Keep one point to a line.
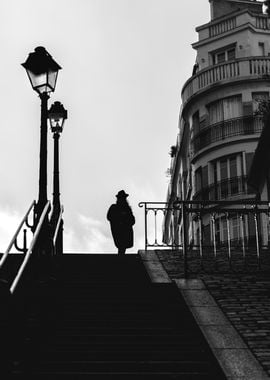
124 64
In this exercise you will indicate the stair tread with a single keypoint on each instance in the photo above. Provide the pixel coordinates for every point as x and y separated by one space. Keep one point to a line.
102 317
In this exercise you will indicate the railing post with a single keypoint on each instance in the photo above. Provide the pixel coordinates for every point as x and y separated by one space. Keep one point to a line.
25 241
257 238
201 239
145 227
229 239
268 226
184 237
214 237
243 237
59 240
24 248
155 216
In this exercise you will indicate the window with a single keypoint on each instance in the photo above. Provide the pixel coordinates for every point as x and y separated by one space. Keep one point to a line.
261 49
221 179
231 54
223 55
198 179
201 180
249 159
222 232
196 122
235 228
220 57
224 109
223 164
227 176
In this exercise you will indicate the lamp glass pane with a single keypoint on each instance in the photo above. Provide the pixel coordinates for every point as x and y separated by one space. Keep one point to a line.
57 124
56 121
52 77
37 80
40 82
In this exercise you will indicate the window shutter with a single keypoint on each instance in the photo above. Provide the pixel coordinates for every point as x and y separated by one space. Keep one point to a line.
205 176
249 159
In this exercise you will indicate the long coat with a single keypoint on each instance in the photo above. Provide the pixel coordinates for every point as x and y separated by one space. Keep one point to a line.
121 220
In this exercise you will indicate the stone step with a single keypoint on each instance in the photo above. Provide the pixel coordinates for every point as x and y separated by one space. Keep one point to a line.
102 318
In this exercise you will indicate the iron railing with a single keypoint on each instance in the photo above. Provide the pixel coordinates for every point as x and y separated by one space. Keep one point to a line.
241 126
14 240
210 230
154 213
53 238
29 252
58 234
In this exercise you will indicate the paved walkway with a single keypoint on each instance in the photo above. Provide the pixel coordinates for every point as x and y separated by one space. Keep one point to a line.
243 297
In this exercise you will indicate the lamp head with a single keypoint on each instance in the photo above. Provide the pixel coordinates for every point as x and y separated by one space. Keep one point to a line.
57 115
42 70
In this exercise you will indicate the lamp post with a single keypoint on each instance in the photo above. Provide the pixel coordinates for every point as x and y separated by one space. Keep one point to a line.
57 116
42 71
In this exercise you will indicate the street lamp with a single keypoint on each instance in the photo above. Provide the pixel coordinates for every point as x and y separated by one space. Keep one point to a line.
57 116
42 71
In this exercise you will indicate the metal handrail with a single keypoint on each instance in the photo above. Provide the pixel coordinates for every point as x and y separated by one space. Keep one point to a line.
29 252
58 225
141 204
24 220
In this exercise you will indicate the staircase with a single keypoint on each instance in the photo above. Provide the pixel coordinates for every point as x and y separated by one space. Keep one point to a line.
100 317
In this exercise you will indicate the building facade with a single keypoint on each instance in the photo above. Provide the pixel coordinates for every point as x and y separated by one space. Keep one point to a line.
218 126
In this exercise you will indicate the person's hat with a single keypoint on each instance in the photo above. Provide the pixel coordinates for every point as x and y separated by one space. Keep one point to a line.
122 194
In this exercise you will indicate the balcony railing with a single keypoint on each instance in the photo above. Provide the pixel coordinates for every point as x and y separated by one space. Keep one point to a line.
224 189
247 125
222 26
244 68
262 22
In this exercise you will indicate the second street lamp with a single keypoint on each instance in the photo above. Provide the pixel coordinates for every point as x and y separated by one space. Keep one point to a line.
57 116
42 71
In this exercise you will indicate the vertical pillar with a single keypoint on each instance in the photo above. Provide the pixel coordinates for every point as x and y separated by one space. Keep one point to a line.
56 187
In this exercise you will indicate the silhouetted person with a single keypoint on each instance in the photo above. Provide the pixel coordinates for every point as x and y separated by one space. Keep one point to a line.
121 219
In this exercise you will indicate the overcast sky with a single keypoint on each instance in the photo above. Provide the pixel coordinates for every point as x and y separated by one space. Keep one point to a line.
124 64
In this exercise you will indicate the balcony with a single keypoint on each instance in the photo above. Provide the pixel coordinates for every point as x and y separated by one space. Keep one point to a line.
247 125
226 24
240 69
224 190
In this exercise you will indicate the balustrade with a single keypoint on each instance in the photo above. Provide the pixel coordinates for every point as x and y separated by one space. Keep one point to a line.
262 22
238 69
222 27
